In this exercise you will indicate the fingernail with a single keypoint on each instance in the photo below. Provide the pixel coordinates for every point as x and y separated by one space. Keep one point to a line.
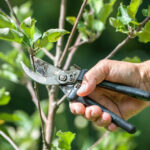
82 89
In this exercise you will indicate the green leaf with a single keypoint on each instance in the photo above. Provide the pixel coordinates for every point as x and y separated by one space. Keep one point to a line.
37 35
96 5
71 19
120 27
51 35
9 117
144 34
106 10
65 140
4 97
11 35
28 26
98 26
40 53
133 8
8 72
23 11
146 12
123 15
5 21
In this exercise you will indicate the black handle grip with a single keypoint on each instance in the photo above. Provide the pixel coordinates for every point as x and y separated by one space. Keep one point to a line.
134 92
131 91
115 119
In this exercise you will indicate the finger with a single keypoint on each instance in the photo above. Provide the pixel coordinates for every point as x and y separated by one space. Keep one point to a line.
112 127
104 120
77 108
92 112
94 76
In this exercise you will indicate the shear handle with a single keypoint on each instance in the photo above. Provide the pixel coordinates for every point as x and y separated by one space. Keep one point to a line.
115 119
88 101
128 90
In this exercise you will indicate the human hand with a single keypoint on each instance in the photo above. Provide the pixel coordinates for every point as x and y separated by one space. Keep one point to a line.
131 74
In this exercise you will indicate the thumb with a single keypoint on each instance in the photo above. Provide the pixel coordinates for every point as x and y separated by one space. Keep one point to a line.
94 76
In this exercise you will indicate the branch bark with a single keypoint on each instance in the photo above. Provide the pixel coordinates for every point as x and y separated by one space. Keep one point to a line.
51 114
120 45
61 26
72 32
71 54
13 13
34 98
7 138
48 54
45 145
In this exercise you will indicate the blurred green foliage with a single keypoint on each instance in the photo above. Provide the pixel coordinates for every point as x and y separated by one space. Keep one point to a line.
25 130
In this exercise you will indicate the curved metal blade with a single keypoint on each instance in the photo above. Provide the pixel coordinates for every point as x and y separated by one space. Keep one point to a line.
50 80
45 69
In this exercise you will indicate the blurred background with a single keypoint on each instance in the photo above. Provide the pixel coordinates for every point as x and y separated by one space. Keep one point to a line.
46 12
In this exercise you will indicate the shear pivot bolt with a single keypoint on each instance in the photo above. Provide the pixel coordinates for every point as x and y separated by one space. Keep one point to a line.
63 77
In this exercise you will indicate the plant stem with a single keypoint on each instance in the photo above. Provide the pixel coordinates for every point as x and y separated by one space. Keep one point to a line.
61 26
120 45
48 54
13 13
99 140
53 91
61 100
9 140
72 52
51 114
72 32
45 146
34 98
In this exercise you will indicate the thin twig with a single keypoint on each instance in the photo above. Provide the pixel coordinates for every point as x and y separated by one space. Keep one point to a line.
9 140
77 45
120 45
47 53
51 114
61 26
34 98
45 146
59 102
13 13
99 140
72 32
72 52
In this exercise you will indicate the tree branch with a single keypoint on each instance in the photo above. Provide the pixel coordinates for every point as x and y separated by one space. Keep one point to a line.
51 114
120 45
34 98
78 44
61 26
48 54
13 13
59 102
72 32
45 146
99 140
7 138
71 54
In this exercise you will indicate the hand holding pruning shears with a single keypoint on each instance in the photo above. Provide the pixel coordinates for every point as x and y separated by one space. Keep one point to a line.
105 75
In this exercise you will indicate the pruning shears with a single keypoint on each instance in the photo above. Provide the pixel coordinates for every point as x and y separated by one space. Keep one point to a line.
70 81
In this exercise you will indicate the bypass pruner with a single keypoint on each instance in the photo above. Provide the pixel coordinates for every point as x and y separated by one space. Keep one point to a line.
70 81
